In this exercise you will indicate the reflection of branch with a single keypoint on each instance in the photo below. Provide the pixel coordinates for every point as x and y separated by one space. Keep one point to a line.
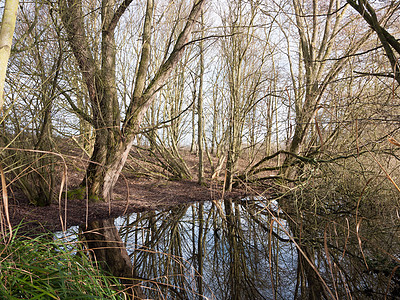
262 225
384 170
296 239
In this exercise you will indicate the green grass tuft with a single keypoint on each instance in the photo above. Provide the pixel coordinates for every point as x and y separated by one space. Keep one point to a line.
44 268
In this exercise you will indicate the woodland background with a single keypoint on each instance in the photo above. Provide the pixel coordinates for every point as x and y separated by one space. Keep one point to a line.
299 97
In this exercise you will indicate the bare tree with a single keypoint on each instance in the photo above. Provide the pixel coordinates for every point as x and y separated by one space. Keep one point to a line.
245 74
36 68
113 140
316 42
200 115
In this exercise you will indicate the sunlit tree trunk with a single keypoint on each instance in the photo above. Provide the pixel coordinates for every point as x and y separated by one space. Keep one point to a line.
6 35
200 116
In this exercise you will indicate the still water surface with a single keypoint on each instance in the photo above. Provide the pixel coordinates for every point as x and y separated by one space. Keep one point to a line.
251 249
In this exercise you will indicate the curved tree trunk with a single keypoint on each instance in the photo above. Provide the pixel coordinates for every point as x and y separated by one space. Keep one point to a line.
113 142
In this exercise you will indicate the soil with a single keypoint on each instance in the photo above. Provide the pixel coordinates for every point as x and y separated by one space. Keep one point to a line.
131 194
144 195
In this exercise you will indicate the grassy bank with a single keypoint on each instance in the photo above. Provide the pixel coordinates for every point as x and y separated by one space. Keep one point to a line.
46 268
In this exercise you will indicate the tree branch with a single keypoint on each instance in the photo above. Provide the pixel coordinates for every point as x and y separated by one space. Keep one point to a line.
158 125
176 53
77 110
118 14
387 40
390 75
139 104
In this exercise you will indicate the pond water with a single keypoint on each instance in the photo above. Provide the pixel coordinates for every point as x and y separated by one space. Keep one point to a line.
250 249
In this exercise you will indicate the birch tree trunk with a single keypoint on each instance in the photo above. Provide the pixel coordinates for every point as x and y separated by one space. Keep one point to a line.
6 35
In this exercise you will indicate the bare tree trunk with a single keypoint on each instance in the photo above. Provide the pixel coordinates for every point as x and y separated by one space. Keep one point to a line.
200 116
6 35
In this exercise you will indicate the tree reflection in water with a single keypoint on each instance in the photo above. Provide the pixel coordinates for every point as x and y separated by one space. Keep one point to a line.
250 249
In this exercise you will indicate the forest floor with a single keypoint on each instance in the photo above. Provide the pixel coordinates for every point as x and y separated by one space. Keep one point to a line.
132 194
